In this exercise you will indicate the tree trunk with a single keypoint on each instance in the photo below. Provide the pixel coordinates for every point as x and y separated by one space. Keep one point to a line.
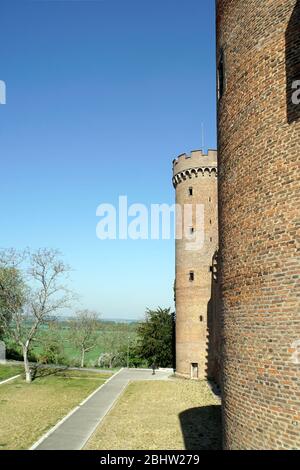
28 375
82 358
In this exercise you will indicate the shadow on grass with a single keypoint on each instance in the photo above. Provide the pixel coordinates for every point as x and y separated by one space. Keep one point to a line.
202 428
39 371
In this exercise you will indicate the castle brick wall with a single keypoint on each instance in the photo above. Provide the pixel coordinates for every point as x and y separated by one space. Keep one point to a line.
193 298
258 55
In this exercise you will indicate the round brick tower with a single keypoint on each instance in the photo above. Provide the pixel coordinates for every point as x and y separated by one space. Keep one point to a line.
195 181
258 58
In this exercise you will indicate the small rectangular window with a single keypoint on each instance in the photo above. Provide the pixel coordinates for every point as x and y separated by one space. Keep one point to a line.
190 191
192 230
211 239
191 276
194 370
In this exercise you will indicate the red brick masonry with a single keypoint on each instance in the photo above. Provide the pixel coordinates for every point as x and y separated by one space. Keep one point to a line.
258 54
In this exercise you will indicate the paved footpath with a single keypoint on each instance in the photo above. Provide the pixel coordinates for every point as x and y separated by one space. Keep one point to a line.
73 431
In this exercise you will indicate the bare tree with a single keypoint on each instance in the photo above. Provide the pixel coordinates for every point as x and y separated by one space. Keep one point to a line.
114 341
84 332
43 295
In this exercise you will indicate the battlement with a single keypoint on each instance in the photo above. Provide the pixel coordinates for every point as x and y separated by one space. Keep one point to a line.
195 159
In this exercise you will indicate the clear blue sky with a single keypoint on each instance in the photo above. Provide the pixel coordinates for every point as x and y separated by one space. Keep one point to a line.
101 96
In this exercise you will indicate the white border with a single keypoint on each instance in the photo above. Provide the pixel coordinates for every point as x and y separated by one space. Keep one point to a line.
10 379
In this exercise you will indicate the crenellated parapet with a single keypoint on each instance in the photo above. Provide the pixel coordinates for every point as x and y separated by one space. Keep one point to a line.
194 172
194 165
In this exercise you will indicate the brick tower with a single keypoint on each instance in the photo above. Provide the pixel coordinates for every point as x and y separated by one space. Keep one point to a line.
258 57
195 181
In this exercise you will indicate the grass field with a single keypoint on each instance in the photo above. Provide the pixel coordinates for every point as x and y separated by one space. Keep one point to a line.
8 370
109 334
73 356
28 411
162 415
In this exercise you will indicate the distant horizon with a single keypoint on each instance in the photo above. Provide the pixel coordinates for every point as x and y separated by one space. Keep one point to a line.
105 319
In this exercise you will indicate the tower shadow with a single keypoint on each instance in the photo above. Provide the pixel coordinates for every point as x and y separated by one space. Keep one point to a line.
202 428
213 343
174 341
292 62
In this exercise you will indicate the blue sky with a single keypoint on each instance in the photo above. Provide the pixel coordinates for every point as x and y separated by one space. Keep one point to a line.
101 96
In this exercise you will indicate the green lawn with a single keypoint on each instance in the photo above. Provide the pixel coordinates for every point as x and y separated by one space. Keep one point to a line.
9 370
163 415
72 355
27 411
91 358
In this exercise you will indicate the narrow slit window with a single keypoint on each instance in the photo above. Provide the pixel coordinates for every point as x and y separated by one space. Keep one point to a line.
221 76
191 276
194 370
190 191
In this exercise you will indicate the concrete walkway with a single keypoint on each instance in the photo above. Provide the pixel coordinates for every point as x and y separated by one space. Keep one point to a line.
73 431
